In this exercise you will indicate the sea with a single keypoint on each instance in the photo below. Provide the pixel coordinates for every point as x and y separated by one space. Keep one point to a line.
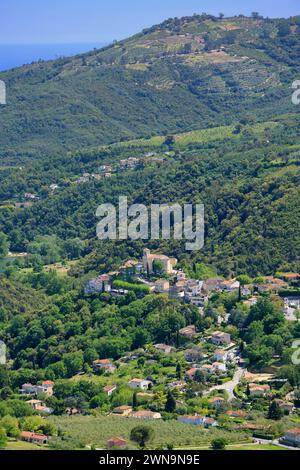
16 55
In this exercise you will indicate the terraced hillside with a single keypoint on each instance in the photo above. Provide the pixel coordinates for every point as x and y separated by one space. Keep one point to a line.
189 73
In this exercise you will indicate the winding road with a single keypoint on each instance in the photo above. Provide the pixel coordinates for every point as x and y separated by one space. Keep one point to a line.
229 386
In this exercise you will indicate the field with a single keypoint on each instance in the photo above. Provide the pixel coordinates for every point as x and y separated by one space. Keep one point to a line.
201 136
20 445
96 431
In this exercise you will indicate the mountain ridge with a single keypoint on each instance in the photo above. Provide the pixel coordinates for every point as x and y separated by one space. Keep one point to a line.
178 76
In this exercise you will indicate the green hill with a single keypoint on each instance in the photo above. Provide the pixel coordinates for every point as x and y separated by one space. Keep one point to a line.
247 176
189 73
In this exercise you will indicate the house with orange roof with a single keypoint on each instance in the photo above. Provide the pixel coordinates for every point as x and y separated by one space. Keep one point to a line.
34 438
289 277
258 390
104 364
216 401
191 372
116 442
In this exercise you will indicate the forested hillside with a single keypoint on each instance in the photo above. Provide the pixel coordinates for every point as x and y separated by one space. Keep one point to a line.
189 73
247 176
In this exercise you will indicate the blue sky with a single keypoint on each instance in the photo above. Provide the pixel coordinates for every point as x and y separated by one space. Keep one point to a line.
68 21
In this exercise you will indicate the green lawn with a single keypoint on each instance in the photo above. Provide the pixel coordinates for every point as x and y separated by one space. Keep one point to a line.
22 445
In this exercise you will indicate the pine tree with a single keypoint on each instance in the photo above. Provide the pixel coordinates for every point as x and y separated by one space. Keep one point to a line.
274 411
134 401
170 403
178 370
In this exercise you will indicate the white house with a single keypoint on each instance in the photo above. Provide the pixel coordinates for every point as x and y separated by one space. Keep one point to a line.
141 384
104 364
46 387
220 338
197 420
109 389
220 366
193 288
220 355
232 285
98 285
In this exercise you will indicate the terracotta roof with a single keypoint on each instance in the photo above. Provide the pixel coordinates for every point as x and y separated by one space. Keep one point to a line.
32 435
191 417
47 382
215 399
191 371
210 421
294 431
116 441
102 361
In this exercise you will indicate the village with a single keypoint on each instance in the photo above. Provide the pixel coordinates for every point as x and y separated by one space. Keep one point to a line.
203 372
103 171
